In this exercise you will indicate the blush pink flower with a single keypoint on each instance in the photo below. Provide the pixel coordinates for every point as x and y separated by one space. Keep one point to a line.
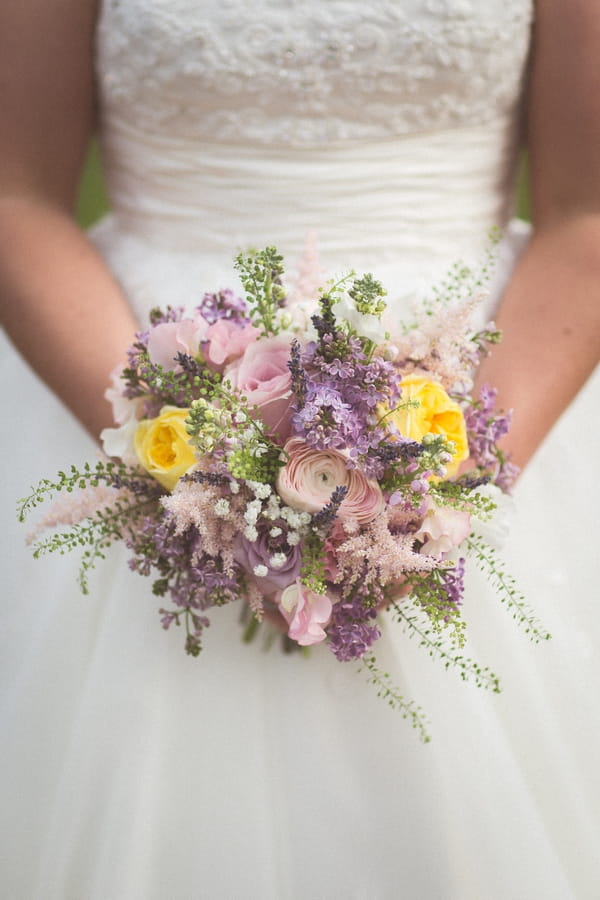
305 612
262 375
443 529
170 338
309 477
226 342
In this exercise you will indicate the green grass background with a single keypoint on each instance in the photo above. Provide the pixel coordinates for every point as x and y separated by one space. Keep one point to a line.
93 201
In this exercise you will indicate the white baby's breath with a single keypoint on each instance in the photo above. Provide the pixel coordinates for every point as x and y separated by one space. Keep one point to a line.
222 507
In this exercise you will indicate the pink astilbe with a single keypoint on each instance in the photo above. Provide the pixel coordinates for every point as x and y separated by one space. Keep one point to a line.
255 600
387 556
73 508
308 283
442 345
193 504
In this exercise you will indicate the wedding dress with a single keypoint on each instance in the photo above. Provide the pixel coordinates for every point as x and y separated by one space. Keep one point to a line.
133 772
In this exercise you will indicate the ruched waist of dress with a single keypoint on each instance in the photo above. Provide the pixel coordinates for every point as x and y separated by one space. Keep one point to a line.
419 196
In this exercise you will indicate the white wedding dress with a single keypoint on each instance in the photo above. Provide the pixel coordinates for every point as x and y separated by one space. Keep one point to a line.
133 772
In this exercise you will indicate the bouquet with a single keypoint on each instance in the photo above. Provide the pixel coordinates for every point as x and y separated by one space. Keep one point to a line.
304 456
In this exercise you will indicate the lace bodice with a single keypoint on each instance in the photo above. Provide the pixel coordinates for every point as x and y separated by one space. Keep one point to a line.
302 73
390 128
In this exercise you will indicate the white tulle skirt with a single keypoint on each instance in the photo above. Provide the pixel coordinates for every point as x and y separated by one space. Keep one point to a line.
132 772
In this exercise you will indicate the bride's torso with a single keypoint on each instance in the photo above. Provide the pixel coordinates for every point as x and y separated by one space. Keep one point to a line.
390 129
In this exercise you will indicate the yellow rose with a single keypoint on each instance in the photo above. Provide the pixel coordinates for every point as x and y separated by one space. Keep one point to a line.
162 446
435 414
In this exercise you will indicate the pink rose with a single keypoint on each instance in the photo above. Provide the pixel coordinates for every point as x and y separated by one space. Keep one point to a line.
309 478
262 375
442 529
305 612
170 338
227 341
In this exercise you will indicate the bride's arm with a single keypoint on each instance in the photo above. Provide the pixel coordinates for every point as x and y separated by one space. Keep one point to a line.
550 314
60 305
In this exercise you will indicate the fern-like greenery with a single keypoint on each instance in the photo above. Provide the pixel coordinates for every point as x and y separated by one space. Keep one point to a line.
488 562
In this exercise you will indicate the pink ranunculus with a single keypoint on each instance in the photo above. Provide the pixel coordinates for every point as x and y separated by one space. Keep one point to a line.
305 612
309 478
262 375
168 339
443 529
226 342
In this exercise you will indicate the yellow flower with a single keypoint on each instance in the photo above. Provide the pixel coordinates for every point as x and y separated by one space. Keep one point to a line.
435 414
162 446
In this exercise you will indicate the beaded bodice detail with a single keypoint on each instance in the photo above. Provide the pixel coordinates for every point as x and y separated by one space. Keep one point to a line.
300 74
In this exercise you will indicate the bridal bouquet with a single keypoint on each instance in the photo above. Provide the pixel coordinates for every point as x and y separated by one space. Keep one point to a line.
305 456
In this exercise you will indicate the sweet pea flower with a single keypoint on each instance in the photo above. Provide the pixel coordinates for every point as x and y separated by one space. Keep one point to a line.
120 442
168 339
305 612
309 477
262 375
365 324
226 341
443 529
123 408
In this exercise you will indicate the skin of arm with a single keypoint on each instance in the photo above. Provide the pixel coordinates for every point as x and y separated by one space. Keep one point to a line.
60 304
550 313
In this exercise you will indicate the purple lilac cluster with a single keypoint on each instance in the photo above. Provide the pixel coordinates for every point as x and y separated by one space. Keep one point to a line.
353 627
192 579
338 388
453 583
224 304
485 427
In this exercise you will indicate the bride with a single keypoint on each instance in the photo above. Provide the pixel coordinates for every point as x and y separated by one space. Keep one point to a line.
132 772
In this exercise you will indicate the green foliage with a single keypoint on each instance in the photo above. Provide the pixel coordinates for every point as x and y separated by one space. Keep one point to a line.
172 388
312 573
408 709
95 534
109 473
367 295
428 591
488 562
445 649
260 273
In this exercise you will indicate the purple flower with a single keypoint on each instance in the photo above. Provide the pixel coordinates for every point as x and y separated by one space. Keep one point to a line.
258 555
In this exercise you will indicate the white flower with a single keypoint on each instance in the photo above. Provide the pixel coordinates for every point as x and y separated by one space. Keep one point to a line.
119 441
234 487
275 531
259 489
365 325
252 512
293 538
222 507
260 571
251 533
278 560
